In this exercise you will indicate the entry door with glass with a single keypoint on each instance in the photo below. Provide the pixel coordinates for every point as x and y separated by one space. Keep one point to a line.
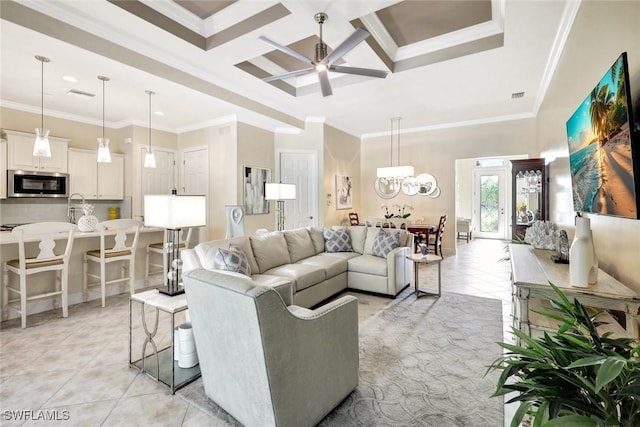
489 203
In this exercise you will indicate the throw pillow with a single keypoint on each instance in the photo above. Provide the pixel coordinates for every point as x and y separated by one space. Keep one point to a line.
385 242
336 240
232 259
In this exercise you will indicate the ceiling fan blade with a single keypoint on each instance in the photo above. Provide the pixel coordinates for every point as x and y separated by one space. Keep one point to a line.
286 50
360 71
352 41
288 75
325 86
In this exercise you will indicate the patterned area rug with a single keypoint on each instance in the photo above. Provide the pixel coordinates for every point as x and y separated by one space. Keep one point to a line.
422 363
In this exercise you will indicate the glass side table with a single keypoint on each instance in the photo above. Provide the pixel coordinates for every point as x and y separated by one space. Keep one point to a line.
160 364
425 259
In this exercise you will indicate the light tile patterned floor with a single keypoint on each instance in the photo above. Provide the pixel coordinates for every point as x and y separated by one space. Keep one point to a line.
76 369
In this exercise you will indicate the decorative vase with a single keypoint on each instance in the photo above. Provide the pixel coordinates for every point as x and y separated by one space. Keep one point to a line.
583 264
87 222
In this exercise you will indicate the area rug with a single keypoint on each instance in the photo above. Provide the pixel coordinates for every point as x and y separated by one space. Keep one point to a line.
422 363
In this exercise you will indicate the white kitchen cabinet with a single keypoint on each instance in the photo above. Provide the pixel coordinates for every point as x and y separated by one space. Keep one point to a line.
20 153
96 181
3 169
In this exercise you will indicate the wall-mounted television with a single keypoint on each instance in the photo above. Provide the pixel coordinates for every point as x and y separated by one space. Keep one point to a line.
604 154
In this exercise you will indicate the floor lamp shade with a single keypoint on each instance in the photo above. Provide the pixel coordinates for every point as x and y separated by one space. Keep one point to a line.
174 212
279 191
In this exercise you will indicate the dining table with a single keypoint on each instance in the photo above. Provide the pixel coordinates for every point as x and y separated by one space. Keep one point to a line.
421 233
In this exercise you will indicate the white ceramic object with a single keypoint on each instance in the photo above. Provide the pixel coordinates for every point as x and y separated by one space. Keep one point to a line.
187 355
583 264
87 222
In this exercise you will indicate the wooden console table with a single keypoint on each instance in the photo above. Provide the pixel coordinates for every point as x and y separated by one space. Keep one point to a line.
532 270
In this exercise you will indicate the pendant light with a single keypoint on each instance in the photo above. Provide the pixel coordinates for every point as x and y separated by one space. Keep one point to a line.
149 158
41 146
104 156
396 173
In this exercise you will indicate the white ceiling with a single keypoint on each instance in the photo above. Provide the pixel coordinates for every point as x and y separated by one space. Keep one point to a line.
195 88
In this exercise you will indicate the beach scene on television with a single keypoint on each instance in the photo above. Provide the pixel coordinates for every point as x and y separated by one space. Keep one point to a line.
600 152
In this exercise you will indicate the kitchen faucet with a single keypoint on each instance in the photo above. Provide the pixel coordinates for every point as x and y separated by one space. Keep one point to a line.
71 211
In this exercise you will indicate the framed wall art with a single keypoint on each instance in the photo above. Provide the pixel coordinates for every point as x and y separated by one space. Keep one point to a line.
344 192
254 179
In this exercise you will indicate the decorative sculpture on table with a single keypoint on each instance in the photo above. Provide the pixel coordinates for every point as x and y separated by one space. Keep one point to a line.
542 235
87 222
235 221
583 263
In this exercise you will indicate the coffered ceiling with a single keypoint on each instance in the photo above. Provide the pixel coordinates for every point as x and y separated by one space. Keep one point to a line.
450 62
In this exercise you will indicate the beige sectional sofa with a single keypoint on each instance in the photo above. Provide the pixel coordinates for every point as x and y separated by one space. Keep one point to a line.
298 265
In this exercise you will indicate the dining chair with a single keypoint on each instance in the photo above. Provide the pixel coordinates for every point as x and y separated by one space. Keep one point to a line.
156 250
353 218
435 239
125 230
46 233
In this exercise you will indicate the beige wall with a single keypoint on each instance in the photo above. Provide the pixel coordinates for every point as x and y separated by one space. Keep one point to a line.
601 31
341 157
436 152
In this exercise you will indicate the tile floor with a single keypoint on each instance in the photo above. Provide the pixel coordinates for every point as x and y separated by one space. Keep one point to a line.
76 369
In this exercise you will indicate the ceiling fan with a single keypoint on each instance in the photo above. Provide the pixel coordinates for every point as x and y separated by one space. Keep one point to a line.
323 63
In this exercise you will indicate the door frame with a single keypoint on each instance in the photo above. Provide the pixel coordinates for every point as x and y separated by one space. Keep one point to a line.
315 177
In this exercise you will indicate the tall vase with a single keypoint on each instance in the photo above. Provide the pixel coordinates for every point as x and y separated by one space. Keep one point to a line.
583 264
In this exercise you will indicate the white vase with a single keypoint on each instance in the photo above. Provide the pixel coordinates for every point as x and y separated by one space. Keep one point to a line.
187 354
583 264
87 223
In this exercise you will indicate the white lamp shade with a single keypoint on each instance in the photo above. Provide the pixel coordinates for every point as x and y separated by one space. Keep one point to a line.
149 159
279 191
395 172
41 147
104 155
174 212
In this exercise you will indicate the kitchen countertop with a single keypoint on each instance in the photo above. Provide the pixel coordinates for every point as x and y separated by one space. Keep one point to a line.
6 237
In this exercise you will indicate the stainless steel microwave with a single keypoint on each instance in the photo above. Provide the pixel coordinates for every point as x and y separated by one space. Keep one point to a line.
37 184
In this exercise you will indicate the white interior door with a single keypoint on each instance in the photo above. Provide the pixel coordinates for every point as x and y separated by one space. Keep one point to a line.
489 203
158 180
300 168
195 179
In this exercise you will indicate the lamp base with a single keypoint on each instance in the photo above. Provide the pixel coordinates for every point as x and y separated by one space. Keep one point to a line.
171 292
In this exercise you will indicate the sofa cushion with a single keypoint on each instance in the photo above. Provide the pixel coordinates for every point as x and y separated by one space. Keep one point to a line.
232 259
368 264
372 232
207 251
358 235
302 275
384 243
332 265
317 238
270 250
282 285
336 240
299 244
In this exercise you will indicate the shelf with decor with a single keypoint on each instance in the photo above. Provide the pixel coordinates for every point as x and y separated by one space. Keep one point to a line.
530 196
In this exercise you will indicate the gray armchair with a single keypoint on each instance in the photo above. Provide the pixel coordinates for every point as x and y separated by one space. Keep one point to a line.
267 364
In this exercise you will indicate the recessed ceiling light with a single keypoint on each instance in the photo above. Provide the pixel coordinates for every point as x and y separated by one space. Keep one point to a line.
70 79
159 113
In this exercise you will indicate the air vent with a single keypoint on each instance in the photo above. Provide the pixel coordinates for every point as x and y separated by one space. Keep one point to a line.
517 95
81 94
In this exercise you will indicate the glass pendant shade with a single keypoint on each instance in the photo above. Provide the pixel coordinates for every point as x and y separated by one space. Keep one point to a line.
104 156
41 147
149 159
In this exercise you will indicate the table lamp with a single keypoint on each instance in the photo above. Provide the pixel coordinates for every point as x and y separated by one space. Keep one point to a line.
173 212
279 192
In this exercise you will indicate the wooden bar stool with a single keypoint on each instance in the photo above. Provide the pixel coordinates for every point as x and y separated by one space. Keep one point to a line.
46 260
126 229
158 249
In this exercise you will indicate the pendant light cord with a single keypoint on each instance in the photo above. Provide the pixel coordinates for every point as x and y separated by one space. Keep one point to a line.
103 109
42 95
150 93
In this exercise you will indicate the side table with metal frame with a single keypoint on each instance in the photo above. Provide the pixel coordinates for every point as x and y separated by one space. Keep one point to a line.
160 364
426 259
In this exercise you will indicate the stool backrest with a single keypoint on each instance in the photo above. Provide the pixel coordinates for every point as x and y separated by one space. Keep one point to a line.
47 233
122 228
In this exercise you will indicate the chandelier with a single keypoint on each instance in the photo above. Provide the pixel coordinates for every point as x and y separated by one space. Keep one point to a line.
397 173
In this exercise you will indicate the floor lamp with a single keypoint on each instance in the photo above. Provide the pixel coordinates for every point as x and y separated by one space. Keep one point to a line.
279 192
173 213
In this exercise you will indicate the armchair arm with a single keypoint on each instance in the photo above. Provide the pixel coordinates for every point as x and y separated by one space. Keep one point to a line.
190 260
398 269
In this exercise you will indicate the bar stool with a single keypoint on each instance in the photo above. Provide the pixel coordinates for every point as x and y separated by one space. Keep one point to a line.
125 229
158 249
46 260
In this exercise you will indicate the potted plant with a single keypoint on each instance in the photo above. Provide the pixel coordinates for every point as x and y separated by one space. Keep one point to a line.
573 377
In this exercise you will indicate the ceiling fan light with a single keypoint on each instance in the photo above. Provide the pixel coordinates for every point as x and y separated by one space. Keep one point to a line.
104 155
321 67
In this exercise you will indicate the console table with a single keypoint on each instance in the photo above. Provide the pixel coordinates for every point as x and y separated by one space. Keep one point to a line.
532 270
